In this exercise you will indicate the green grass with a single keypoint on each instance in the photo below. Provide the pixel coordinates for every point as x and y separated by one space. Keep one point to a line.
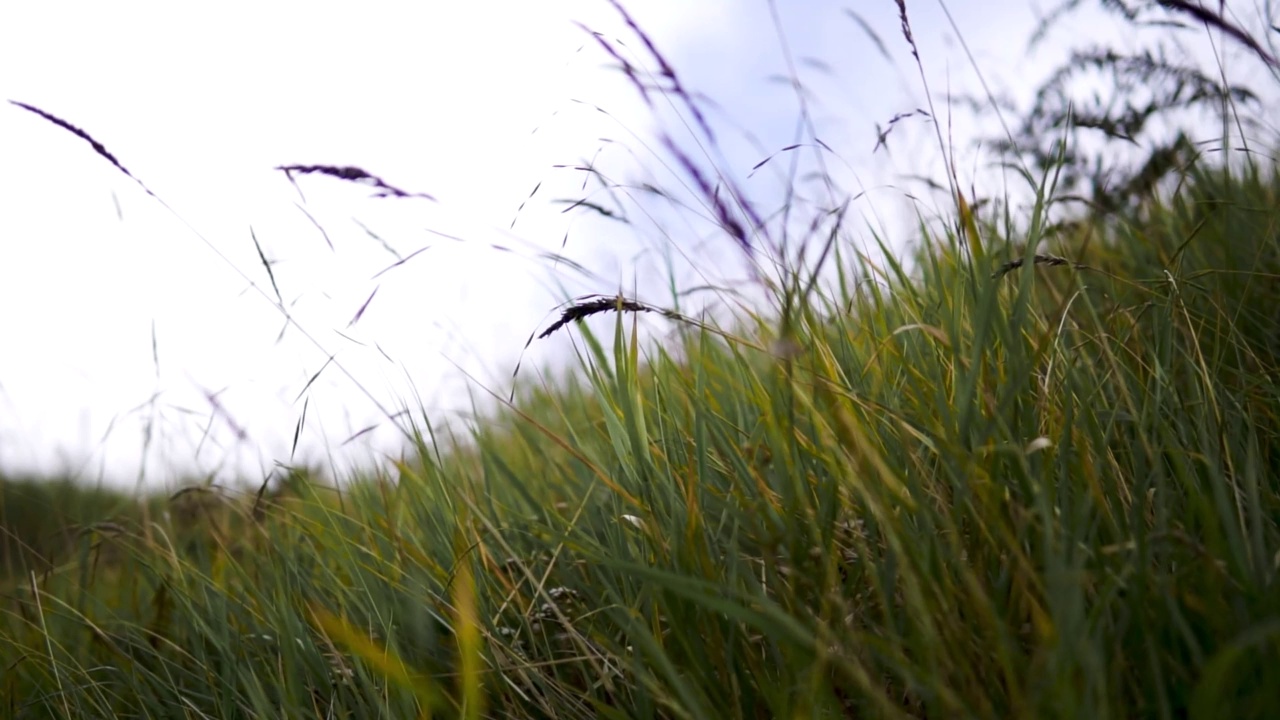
1052 494
912 491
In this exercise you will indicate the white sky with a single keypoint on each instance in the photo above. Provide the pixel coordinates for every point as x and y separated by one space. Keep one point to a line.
441 98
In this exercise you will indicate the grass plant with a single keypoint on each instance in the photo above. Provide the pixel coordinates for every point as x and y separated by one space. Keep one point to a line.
1030 472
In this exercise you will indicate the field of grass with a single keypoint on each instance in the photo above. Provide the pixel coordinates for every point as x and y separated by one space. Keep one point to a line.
1034 473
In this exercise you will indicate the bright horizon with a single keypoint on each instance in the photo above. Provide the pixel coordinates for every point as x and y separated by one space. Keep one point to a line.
474 105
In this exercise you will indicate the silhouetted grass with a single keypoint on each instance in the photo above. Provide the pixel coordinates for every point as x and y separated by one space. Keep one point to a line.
98 148
353 175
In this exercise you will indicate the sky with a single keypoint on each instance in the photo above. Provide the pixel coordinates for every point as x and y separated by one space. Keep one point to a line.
141 336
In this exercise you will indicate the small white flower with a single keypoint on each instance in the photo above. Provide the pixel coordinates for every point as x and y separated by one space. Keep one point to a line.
1037 445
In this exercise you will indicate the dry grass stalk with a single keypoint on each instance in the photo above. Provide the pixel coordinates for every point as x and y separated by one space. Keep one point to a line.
601 304
724 214
98 147
353 174
882 134
1210 18
1051 260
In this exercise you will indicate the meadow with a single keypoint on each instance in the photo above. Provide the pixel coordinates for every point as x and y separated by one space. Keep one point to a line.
1030 470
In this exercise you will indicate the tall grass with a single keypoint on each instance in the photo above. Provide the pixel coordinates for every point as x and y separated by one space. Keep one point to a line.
979 485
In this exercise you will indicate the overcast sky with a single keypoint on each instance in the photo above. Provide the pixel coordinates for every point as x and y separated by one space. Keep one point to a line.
119 314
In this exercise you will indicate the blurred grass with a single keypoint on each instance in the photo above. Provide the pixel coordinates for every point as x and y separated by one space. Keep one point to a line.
1051 494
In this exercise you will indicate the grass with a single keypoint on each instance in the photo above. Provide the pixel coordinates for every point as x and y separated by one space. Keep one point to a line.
996 482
